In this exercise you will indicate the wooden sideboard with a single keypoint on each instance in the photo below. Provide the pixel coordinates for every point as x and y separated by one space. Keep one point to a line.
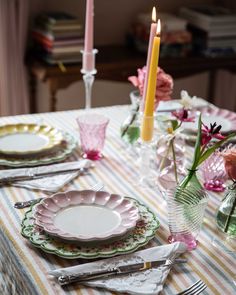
116 63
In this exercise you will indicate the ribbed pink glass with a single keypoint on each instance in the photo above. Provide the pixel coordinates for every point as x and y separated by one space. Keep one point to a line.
186 208
214 174
92 128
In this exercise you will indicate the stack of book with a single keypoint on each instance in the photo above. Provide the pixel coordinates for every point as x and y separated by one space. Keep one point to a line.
213 28
175 39
58 38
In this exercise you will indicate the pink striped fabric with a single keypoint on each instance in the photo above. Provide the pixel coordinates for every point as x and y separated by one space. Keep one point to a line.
119 173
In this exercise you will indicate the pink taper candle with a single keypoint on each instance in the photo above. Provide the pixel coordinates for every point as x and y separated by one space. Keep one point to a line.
88 40
153 30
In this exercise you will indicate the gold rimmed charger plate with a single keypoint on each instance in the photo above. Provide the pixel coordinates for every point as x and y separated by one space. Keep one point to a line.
59 154
28 139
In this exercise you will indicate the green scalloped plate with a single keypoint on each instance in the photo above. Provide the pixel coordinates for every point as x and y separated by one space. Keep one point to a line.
144 231
62 152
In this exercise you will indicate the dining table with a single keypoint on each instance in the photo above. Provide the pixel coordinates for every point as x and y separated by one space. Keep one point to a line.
24 268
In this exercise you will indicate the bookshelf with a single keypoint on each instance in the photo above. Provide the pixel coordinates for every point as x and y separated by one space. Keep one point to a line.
116 63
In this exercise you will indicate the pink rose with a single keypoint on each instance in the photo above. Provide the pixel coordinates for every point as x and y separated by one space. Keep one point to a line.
230 162
164 85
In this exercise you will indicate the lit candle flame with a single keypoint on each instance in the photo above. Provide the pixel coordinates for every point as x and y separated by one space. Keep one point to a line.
154 14
158 27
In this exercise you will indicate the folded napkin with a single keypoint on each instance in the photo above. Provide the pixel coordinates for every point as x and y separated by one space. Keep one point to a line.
147 282
51 183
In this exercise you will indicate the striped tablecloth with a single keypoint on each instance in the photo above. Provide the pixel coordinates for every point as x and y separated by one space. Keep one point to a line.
26 267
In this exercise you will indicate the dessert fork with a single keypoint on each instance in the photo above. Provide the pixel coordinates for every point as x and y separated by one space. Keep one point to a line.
195 289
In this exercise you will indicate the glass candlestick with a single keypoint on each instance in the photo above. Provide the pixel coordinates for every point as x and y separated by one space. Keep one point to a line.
88 72
147 175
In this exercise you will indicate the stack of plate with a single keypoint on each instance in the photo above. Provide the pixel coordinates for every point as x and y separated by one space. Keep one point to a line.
89 224
33 144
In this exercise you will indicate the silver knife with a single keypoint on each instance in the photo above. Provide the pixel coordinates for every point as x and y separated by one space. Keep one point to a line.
123 269
21 174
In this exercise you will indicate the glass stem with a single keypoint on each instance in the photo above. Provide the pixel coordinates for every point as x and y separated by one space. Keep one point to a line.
174 159
230 213
131 121
88 82
165 157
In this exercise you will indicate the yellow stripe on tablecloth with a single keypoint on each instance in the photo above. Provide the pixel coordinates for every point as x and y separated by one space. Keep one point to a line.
205 279
123 167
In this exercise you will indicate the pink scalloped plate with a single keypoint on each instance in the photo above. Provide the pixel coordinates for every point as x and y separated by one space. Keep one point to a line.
86 215
225 118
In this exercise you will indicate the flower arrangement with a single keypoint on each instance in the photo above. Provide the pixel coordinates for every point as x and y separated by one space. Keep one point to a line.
164 90
172 134
174 125
164 85
204 146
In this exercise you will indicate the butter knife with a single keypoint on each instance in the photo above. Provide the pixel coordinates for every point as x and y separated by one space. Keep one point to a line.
21 174
119 270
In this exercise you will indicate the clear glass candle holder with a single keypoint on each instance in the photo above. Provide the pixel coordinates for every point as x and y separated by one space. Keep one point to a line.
186 209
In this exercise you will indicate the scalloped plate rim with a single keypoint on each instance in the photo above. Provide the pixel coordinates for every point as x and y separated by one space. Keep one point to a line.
83 255
39 160
52 141
95 237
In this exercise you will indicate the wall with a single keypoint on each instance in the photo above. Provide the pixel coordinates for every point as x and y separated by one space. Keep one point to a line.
112 18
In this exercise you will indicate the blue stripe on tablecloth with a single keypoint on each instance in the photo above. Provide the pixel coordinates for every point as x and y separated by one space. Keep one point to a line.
14 275
114 170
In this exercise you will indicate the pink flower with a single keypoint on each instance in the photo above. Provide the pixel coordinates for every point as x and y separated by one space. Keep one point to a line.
182 115
164 85
212 132
229 156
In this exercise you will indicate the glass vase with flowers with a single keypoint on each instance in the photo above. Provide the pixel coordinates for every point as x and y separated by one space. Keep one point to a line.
188 201
208 140
226 213
130 128
171 149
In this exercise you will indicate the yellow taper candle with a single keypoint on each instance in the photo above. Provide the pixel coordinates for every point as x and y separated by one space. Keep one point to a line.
148 117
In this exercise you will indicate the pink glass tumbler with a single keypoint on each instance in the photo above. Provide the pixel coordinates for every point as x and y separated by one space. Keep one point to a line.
214 173
92 128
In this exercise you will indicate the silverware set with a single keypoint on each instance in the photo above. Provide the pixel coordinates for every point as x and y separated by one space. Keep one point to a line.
194 289
120 270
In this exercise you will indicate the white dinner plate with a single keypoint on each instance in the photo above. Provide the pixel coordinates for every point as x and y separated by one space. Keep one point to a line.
86 215
225 118
174 104
59 154
26 139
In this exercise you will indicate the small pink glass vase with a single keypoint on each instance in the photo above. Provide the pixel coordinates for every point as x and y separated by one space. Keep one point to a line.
92 128
186 208
213 172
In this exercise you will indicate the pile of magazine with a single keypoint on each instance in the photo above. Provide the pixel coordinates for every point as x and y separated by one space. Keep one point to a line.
213 28
58 37
175 39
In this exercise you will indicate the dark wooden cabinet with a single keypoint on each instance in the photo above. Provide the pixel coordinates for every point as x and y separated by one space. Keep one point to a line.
116 63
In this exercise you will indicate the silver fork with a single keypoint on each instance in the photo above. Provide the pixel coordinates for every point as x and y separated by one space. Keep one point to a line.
21 205
195 289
